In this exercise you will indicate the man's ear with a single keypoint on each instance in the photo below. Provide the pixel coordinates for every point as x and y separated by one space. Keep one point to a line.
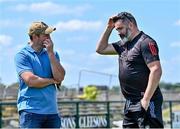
33 36
131 25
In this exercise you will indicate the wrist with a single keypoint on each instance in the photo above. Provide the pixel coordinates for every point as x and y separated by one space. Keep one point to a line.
51 81
108 27
146 99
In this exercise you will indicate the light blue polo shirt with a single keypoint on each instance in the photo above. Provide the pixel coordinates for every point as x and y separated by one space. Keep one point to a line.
35 100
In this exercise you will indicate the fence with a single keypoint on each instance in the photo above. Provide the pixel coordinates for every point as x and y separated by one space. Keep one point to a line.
88 114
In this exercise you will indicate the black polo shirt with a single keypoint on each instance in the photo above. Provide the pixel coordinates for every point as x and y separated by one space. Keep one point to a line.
133 59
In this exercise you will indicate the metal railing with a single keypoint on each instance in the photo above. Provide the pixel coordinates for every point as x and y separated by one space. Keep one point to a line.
83 111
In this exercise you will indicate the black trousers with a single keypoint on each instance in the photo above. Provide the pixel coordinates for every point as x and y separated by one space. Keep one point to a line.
135 116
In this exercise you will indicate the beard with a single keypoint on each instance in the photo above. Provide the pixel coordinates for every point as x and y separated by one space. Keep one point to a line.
126 37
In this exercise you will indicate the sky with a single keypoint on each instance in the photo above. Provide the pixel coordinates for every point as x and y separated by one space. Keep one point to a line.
79 24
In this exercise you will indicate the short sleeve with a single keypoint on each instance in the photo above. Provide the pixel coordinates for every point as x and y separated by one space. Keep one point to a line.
117 46
57 56
150 51
22 63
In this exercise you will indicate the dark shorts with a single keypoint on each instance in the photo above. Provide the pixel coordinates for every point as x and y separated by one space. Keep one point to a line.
135 116
32 120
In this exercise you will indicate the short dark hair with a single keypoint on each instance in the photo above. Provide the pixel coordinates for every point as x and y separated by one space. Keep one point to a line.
125 16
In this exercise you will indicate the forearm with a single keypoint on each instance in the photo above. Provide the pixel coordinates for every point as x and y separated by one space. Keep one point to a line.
38 82
154 78
103 42
57 69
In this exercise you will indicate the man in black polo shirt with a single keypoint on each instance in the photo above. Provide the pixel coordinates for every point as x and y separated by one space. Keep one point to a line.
139 71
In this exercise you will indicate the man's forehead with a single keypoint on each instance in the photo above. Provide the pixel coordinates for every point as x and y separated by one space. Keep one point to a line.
45 35
119 23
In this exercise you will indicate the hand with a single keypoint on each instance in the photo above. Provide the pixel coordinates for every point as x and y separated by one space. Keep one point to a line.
49 45
56 82
110 22
145 104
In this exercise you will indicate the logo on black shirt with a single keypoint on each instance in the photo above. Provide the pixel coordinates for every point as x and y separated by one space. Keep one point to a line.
152 47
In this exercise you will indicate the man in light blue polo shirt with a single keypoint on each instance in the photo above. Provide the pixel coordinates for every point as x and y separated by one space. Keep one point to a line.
39 70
